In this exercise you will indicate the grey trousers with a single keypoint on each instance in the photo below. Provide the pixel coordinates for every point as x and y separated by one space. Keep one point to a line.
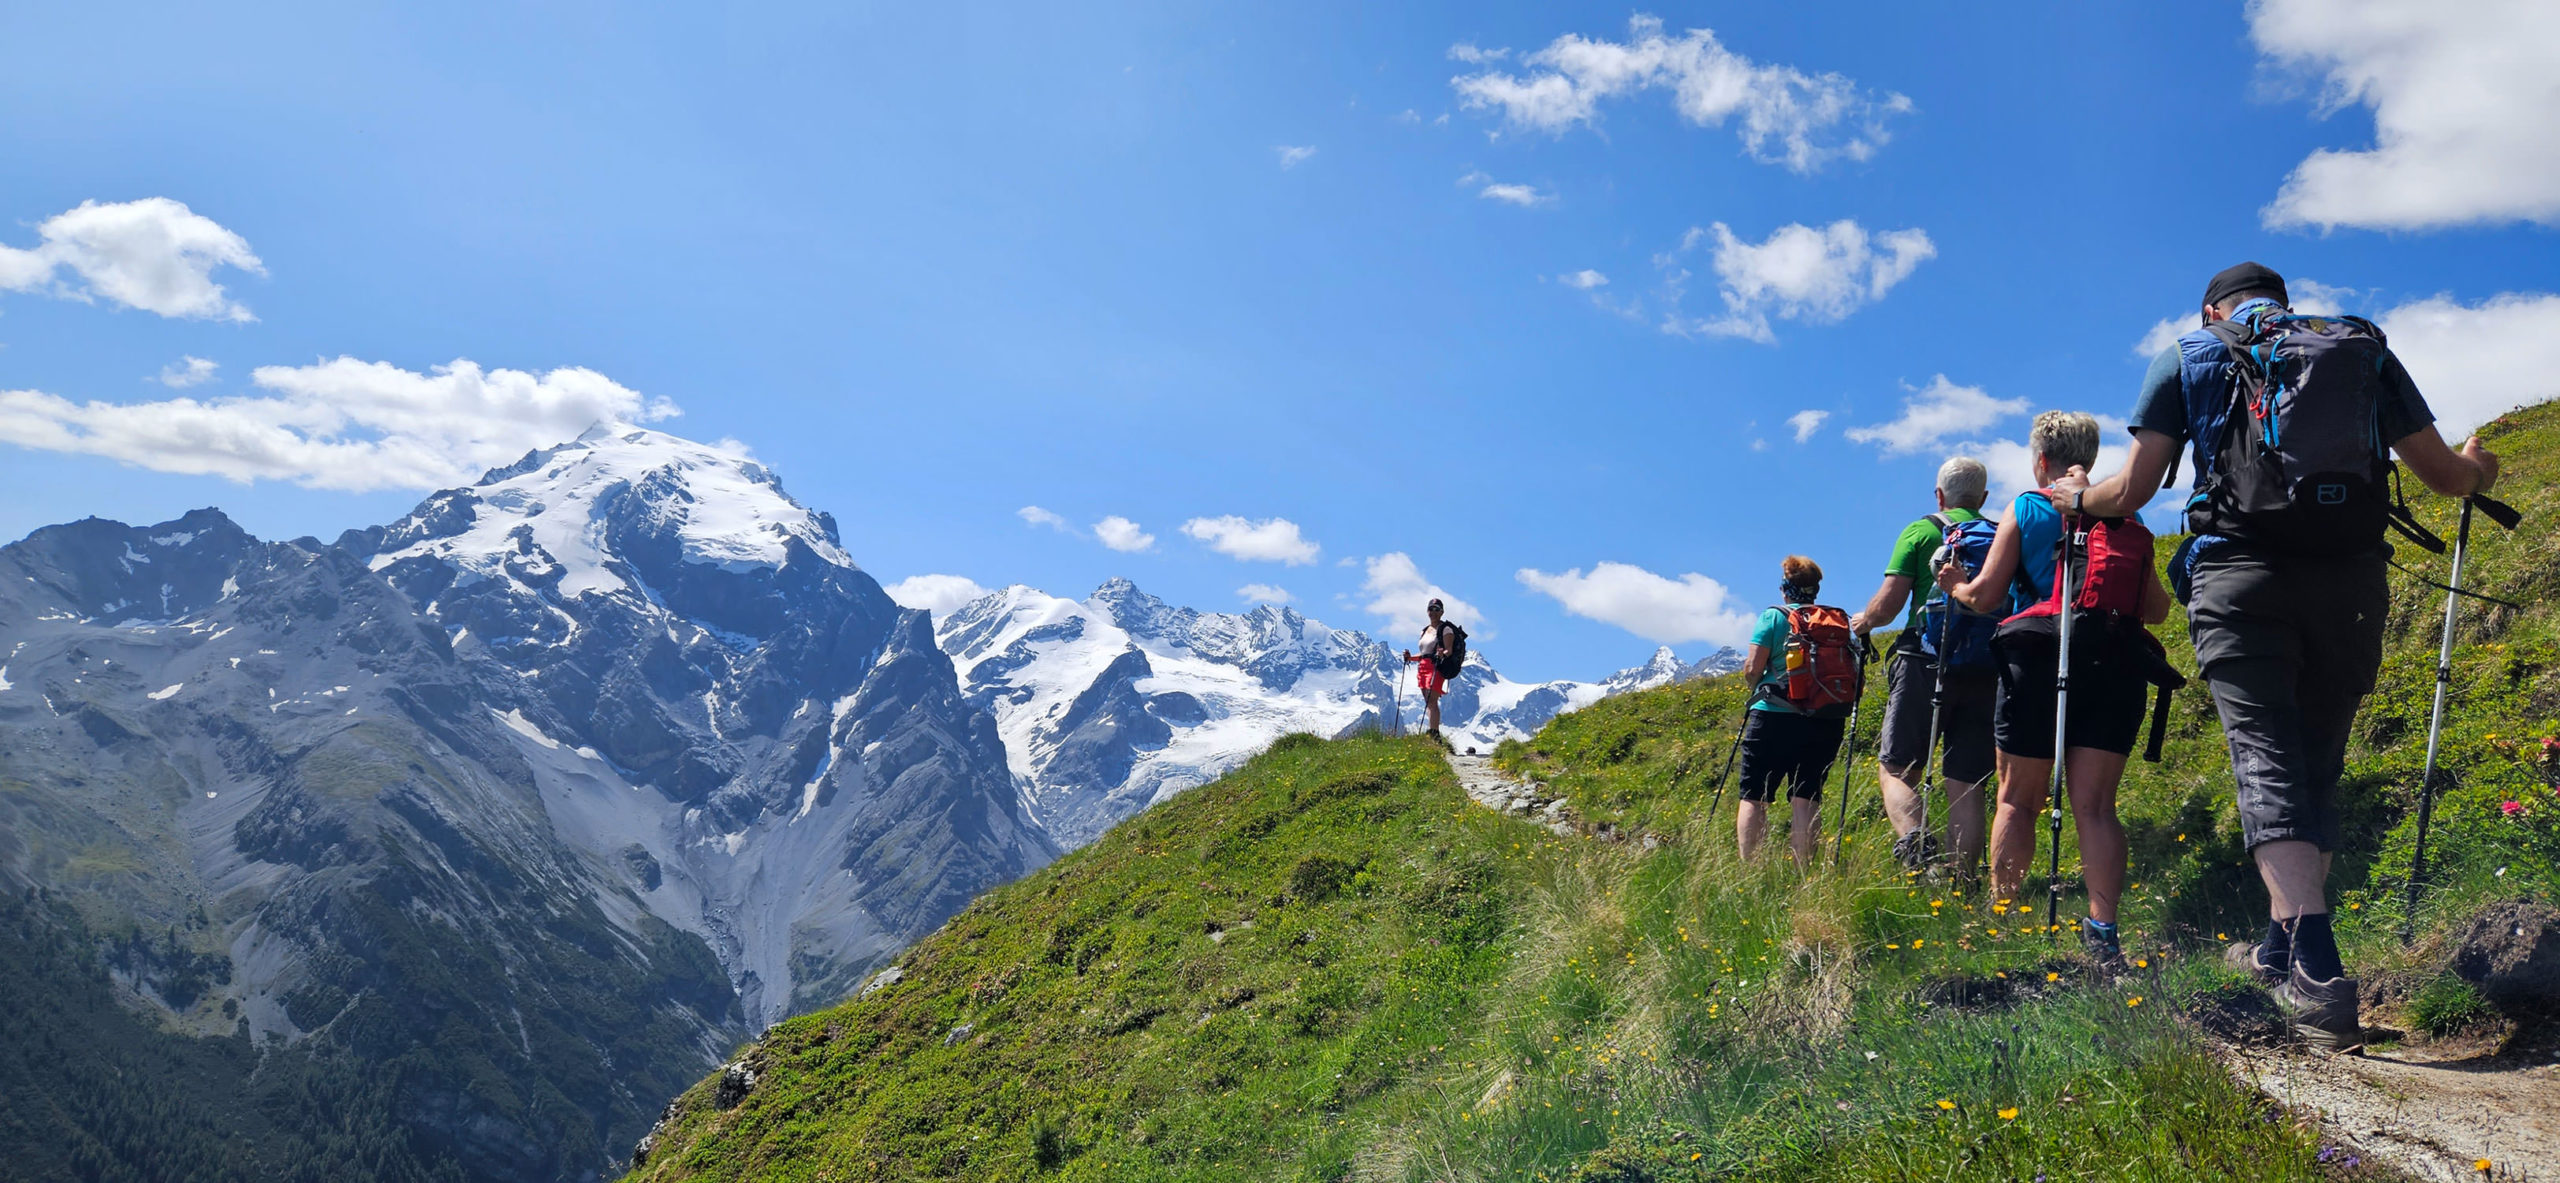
2290 646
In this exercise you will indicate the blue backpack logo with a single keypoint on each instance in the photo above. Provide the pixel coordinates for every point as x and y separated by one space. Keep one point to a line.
1965 636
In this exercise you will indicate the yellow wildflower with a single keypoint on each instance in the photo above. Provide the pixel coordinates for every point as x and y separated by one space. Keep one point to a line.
2009 1114
1946 1104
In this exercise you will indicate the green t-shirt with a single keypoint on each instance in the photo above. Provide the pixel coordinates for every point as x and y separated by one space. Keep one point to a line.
1772 636
1911 552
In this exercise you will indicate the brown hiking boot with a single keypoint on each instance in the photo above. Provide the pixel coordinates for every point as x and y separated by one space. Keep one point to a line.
2250 957
2322 1013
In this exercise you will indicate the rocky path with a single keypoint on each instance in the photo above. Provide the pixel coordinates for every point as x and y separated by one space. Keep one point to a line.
2427 1118
1494 789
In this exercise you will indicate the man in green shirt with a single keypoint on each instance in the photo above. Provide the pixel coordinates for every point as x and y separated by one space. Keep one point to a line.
1911 679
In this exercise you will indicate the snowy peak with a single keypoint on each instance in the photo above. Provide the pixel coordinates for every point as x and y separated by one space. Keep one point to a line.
1113 702
578 518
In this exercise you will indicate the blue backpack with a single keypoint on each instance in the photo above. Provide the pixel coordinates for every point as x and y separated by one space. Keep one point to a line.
1963 634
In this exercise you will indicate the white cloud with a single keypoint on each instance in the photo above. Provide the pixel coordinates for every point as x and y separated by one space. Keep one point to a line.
1292 157
1519 195
1798 273
937 594
1264 593
154 254
2466 110
2162 335
1122 535
1465 52
1670 611
1399 594
343 424
185 372
1583 280
1806 423
1935 414
1273 540
2475 362
1033 515
1785 115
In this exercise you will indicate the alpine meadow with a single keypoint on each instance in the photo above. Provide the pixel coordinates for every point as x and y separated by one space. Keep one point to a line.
1158 593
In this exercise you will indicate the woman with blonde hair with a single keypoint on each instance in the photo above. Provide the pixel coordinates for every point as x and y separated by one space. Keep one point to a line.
2109 687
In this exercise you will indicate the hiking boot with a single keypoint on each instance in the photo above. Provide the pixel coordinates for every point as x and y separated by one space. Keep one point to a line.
1916 850
2322 1013
2250 957
2103 947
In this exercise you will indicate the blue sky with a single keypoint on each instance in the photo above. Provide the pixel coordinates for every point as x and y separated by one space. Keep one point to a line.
936 264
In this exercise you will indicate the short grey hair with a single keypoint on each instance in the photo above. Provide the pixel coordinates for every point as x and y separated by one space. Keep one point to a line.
1965 482
2065 438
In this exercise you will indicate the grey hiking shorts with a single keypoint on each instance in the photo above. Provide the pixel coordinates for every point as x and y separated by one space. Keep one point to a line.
2290 646
1964 723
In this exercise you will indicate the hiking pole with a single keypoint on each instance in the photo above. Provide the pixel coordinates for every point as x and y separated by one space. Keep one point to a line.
2058 784
1929 751
2506 517
1399 680
1731 759
1849 751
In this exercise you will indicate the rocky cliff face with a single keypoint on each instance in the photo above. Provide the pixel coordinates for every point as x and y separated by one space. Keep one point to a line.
1111 703
532 802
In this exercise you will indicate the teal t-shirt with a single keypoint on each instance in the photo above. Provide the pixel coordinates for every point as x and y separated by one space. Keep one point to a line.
1911 551
1772 635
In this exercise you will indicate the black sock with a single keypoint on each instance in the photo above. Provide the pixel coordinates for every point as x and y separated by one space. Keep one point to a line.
2277 948
2315 948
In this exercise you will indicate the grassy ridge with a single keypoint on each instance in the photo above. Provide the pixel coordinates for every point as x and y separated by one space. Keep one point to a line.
1430 992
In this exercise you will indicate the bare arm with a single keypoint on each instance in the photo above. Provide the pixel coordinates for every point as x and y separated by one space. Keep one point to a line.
2153 606
2453 474
2130 488
1988 590
1755 666
1890 596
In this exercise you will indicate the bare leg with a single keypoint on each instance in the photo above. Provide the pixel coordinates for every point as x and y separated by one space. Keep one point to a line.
2092 784
1901 802
2297 875
2013 828
1750 827
1964 827
1804 830
1431 709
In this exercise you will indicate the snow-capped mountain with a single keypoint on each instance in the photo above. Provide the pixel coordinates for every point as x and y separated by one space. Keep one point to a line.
1111 703
519 810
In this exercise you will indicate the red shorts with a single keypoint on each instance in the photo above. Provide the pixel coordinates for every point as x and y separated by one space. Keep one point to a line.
1428 671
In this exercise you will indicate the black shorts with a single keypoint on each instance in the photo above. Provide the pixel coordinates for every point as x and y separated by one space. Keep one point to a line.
1964 722
2109 696
1784 748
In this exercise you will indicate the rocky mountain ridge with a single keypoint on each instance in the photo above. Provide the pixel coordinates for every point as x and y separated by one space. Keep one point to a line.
1112 703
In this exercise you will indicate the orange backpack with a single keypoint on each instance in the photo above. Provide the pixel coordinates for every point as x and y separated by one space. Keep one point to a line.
1822 673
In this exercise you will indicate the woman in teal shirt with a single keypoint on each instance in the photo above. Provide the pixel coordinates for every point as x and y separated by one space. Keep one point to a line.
1781 745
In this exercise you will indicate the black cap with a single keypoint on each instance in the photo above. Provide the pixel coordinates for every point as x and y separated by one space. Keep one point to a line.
2246 277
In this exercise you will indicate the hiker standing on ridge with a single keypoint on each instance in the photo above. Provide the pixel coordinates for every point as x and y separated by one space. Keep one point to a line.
2283 581
1912 683
2109 687
1444 653
1804 676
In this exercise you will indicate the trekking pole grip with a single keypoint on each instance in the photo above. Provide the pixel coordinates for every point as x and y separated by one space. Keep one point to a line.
2498 511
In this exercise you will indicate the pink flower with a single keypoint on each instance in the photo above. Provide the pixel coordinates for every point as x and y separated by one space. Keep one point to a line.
2511 808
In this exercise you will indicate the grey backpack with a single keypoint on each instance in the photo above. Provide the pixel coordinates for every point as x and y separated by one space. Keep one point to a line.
2301 466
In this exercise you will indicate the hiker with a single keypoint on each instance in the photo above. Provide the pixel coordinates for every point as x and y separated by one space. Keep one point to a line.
2109 687
2283 581
1804 677
1962 704
1444 653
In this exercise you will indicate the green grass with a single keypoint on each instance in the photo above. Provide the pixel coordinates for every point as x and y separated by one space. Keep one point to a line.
1430 992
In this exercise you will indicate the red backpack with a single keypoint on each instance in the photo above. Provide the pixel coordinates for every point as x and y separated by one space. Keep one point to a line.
1822 674
2110 559
2108 564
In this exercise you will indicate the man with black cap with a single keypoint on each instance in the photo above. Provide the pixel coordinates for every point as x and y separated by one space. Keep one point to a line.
2284 578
